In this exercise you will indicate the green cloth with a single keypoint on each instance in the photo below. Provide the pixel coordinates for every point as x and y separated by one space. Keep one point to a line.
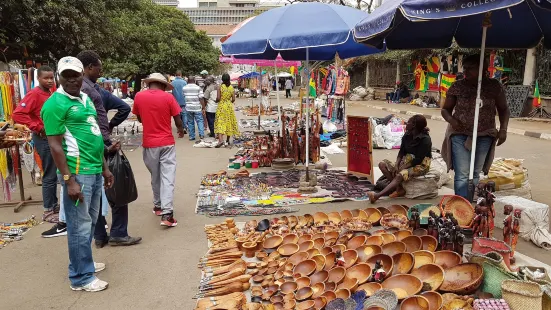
75 119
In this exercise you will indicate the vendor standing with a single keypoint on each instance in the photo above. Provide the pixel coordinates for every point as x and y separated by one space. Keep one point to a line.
459 110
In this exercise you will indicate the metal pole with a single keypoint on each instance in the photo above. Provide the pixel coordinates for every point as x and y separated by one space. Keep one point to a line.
307 115
260 102
277 98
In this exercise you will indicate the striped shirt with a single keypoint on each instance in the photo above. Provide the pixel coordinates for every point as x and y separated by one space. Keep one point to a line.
193 94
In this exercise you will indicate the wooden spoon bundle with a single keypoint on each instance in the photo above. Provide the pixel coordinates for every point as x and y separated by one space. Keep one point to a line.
231 301
221 270
232 286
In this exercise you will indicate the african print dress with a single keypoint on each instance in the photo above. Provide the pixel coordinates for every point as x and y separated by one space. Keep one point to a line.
225 122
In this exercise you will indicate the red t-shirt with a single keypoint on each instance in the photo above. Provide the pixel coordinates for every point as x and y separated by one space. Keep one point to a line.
28 111
156 109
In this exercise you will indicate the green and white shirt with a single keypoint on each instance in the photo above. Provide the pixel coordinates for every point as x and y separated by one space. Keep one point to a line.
75 119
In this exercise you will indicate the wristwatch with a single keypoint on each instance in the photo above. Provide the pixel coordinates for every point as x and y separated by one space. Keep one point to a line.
66 177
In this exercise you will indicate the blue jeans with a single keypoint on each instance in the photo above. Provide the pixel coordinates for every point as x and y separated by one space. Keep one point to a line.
193 117
81 221
49 178
461 159
210 120
183 116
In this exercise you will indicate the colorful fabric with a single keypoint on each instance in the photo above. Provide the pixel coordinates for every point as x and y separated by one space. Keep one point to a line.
411 172
312 88
225 122
432 80
445 83
536 102
420 78
433 64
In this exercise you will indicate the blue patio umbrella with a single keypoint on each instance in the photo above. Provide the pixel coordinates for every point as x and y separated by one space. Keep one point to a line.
411 24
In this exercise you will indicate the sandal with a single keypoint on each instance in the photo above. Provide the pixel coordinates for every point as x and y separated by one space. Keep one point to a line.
219 145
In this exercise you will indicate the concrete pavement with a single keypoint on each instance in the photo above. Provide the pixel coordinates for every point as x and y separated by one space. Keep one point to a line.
161 271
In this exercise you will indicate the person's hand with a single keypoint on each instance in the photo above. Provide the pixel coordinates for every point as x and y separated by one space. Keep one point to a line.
108 179
73 190
181 133
501 137
42 134
456 124
115 147
6 144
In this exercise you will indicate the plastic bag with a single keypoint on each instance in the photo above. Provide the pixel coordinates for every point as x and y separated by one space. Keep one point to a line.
124 189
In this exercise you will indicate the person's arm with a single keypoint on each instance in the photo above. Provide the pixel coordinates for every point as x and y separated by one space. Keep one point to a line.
504 114
136 107
115 103
56 148
447 109
175 110
218 94
29 106
232 96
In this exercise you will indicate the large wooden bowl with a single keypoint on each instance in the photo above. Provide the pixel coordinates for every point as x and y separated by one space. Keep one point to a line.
318 289
305 268
373 215
303 282
366 251
326 250
431 274
356 242
403 285
346 214
462 279
342 293
460 207
416 302
394 248
403 263
290 238
350 258
339 247
331 235
298 257
306 245
313 252
319 243
304 238
393 220
287 249
330 286
388 238
447 259
413 243
330 261
288 287
401 234
422 258
337 274
370 288
334 217
320 261
387 261
374 240
434 298
320 302
320 276
348 283
397 209
304 293
429 243
362 215
320 218
420 232
383 210
329 295
361 272
272 242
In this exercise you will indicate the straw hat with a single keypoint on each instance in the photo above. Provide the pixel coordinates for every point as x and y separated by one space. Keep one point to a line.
157 77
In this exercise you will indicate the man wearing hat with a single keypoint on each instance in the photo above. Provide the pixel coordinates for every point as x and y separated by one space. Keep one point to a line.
155 108
76 144
200 80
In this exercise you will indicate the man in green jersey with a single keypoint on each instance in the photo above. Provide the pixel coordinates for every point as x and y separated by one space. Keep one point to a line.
76 144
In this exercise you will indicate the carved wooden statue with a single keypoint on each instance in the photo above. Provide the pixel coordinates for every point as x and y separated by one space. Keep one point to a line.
508 224
516 231
432 228
480 223
415 220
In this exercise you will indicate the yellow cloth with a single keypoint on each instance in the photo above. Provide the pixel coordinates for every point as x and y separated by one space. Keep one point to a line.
225 122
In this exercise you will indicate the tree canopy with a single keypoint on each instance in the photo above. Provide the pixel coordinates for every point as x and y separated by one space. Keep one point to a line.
132 36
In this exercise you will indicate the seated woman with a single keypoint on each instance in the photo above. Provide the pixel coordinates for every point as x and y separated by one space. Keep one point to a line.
413 159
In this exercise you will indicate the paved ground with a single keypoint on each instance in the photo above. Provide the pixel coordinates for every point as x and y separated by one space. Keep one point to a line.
161 272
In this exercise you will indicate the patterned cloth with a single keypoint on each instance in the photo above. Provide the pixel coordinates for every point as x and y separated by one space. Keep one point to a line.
225 122
412 172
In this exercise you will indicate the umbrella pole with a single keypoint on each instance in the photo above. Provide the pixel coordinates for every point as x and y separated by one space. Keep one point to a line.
471 184
259 102
307 116
277 98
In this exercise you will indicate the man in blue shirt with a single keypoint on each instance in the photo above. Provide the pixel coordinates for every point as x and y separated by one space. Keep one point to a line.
178 93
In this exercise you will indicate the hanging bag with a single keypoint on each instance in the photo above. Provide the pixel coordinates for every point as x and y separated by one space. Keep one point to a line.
341 84
124 189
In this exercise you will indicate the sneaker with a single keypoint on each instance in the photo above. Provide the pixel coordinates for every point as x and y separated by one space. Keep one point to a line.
95 286
99 267
59 229
157 211
50 216
114 241
168 220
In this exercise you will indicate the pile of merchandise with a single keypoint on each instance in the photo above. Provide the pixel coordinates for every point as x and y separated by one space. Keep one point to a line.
510 178
10 232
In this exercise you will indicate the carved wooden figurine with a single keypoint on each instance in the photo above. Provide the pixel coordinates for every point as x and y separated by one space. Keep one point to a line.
480 223
508 224
379 273
415 221
516 231
432 228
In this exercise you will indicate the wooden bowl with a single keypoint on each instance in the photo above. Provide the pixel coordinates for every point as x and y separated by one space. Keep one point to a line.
337 274
404 285
394 248
397 209
319 243
431 274
366 251
319 277
362 215
350 258
276 298
330 286
290 304
416 302
306 245
258 279
288 287
413 243
401 234
374 240
403 263
250 249
290 238
306 305
355 212
356 242
320 302
305 268
272 242
435 300
342 293
383 210
320 218
370 288
309 219
329 295
334 217
422 258
303 238
331 235
326 250
288 249
318 289
304 293
302 282
429 243
313 252
318 235
447 259
320 261
388 263
373 215
348 283
346 214
330 261
260 255
420 232
361 271
388 238
297 258
462 279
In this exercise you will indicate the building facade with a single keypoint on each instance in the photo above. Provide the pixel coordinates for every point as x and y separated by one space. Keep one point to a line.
225 12
173 3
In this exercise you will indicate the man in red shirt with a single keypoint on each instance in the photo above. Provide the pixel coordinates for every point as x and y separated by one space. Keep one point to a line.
155 108
28 114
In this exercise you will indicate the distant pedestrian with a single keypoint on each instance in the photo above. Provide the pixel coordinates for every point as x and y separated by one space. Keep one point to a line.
210 95
288 87
178 93
200 80
155 109
226 123
194 107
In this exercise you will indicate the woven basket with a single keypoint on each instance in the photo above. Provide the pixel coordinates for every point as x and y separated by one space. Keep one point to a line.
460 207
494 275
546 296
383 298
522 295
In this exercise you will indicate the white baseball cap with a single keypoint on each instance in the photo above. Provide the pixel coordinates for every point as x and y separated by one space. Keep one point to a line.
69 63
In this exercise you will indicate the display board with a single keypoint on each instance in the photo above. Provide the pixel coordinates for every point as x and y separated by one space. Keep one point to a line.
360 146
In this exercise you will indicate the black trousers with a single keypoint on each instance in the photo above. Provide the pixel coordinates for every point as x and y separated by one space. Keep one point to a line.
119 223
287 93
